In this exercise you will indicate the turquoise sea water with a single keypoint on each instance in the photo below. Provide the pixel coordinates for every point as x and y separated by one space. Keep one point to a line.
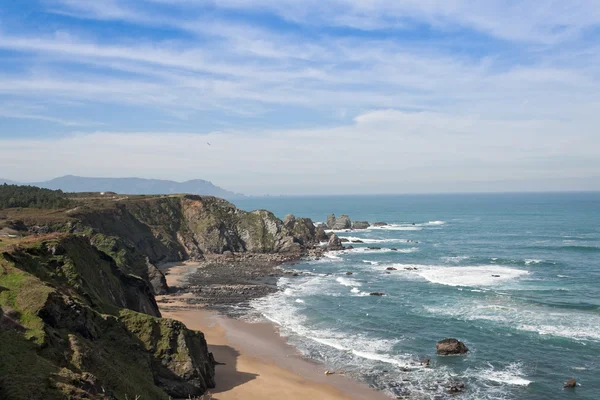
529 330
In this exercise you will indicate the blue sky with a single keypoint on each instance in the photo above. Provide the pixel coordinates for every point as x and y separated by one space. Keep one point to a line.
304 97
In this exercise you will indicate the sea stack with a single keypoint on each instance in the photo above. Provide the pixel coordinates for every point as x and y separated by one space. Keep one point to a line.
451 346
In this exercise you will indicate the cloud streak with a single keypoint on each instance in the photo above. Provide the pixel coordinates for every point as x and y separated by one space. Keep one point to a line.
511 87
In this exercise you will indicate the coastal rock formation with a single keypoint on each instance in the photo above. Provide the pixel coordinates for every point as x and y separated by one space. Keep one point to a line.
376 294
80 324
360 225
380 224
334 243
187 227
451 347
341 223
570 384
320 235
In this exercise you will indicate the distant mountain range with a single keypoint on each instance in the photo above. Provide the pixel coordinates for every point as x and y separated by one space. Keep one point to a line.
72 183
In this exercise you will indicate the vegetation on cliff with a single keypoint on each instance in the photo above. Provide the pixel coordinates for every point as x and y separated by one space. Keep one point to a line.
12 196
78 317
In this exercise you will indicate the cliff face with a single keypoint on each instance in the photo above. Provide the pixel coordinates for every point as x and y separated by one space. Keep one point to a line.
78 318
187 227
74 325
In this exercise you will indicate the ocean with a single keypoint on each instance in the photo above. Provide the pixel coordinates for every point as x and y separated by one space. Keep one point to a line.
529 329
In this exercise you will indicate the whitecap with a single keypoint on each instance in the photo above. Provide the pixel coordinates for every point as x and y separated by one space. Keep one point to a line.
347 282
299 301
370 262
466 276
372 241
511 375
436 223
527 262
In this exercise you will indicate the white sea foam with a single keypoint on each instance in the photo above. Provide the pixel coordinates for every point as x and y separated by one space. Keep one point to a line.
371 241
347 282
333 255
436 223
355 290
527 262
455 259
465 276
575 325
511 375
370 262
563 276
299 301
396 227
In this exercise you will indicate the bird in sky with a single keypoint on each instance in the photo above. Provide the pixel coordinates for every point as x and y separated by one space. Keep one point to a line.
208 143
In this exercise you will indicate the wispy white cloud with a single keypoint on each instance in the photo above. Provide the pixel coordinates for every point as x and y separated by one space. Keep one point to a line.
503 89
384 151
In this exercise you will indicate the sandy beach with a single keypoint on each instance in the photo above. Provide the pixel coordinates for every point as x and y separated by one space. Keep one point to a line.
254 361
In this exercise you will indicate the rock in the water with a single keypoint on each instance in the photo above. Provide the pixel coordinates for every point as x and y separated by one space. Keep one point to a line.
360 225
426 362
455 387
345 240
357 241
571 384
451 346
380 224
495 276
349 273
349 247
320 235
334 243
391 269
338 224
374 248
376 294
331 221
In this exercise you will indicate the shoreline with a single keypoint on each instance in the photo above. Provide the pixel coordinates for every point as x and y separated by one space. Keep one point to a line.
255 362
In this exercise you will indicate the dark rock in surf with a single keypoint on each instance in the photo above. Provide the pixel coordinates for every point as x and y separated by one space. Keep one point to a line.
374 248
455 387
357 241
391 269
394 249
570 384
349 273
380 224
344 240
338 224
451 347
360 225
349 247
376 294
334 243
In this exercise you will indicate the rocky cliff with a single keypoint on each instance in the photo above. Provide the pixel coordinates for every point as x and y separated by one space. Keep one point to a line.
78 318
187 227
74 325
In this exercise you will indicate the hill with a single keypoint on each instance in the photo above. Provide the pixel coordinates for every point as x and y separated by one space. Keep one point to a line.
134 186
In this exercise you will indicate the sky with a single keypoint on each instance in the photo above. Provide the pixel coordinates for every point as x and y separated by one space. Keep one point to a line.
304 96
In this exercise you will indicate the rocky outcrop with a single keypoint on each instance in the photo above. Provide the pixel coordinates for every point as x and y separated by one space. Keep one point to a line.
181 363
188 227
360 225
451 347
320 235
341 223
570 384
380 224
70 328
335 243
